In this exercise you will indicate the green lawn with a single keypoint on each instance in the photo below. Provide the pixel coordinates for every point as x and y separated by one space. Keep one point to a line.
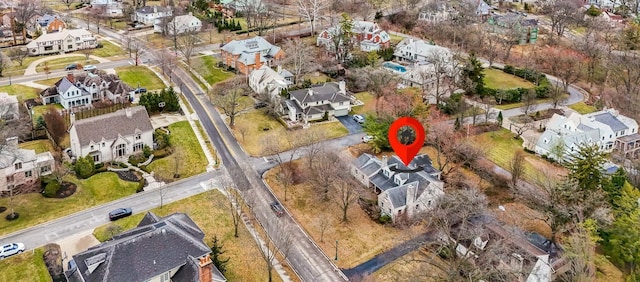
188 153
208 211
23 92
40 146
61 63
134 75
35 209
395 39
40 110
16 69
583 108
369 106
48 82
206 67
109 50
26 267
498 79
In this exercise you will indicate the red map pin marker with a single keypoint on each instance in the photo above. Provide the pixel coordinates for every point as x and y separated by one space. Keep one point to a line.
406 152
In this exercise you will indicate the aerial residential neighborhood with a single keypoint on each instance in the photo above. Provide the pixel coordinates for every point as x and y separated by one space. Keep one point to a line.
254 140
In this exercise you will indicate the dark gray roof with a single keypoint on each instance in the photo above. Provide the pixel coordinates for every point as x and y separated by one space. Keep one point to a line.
143 252
109 126
149 218
368 164
610 120
155 9
320 109
398 196
63 85
326 92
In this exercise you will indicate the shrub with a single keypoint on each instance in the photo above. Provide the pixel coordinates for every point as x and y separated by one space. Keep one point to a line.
384 219
144 168
146 151
140 186
51 189
84 167
508 69
157 154
137 158
98 166
162 138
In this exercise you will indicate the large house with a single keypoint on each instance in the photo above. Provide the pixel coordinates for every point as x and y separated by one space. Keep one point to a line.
368 35
67 40
317 102
527 29
265 79
606 129
111 8
50 23
400 193
20 167
250 54
167 248
8 107
179 25
418 51
82 89
148 15
111 136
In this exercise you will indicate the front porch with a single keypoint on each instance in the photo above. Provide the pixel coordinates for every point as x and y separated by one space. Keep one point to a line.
628 145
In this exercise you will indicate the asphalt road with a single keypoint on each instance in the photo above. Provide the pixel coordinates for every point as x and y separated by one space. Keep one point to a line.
60 73
89 219
304 256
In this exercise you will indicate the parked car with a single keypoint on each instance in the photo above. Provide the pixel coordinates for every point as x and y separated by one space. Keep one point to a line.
11 249
119 213
367 139
277 208
140 90
89 68
71 67
358 118
260 104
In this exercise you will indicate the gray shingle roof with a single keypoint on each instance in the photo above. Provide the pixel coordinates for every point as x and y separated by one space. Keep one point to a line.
154 9
610 120
328 91
143 252
109 126
250 46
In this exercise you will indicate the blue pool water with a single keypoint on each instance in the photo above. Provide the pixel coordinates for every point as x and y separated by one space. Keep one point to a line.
394 67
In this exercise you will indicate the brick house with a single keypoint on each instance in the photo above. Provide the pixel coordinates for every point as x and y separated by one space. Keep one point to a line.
20 167
250 54
159 249
368 35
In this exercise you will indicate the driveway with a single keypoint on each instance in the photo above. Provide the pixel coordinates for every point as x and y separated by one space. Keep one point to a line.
350 124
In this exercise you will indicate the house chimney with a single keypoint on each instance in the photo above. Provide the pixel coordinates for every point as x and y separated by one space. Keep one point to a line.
155 9
384 161
70 77
279 69
228 39
72 118
127 111
411 196
258 63
310 92
12 142
343 87
205 266
190 14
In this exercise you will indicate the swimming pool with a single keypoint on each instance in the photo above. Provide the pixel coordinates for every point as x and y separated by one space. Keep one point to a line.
394 67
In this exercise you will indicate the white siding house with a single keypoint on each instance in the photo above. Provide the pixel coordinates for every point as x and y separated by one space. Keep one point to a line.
84 88
266 79
330 99
22 167
111 136
148 15
67 40
180 25
412 50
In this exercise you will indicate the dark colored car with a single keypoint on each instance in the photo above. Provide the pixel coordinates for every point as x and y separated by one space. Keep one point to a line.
71 67
119 213
277 208
140 90
259 105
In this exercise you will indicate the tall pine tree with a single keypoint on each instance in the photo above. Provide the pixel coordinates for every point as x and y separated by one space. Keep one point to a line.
216 255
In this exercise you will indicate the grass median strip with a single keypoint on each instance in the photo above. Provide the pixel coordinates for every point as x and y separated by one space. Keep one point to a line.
188 156
26 267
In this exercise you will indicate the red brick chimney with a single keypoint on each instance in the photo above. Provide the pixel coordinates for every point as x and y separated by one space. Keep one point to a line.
205 269
258 63
70 77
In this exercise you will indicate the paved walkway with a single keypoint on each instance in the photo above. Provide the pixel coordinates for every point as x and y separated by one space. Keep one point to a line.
31 69
164 120
34 85
192 117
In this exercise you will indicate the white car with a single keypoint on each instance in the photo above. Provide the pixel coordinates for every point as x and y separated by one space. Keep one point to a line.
358 118
11 249
89 68
367 139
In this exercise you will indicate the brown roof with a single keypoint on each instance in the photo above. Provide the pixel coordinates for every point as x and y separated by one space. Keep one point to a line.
109 126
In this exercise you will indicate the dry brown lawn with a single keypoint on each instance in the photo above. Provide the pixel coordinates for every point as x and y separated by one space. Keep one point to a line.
359 239
411 267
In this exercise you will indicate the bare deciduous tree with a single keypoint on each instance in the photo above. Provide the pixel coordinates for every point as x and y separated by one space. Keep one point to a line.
280 241
344 189
300 57
227 96
24 11
562 14
517 166
311 10
18 54
186 44
380 83
67 3
529 102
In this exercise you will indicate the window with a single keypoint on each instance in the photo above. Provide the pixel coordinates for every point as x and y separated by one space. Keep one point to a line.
96 158
138 147
102 144
138 137
27 173
18 166
341 103
45 169
10 178
91 147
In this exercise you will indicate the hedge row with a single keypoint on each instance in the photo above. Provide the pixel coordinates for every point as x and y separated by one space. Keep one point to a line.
515 95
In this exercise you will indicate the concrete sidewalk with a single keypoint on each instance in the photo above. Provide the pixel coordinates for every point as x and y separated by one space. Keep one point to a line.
192 117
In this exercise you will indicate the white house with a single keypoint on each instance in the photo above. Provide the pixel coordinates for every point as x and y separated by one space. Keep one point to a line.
111 136
314 103
67 40
82 89
8 107
607 129
418 51
265 79
368 35
22 167
400 194
148 15
112 8
180 24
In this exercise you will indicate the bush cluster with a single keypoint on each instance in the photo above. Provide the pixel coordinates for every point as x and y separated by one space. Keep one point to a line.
515 95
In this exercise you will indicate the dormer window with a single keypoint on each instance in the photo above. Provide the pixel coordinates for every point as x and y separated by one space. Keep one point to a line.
18 166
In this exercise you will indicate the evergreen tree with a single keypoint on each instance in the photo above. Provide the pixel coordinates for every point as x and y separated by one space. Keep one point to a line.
216 255
585 167
500 118
473 74
613 187
84 167
622 244
40 124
